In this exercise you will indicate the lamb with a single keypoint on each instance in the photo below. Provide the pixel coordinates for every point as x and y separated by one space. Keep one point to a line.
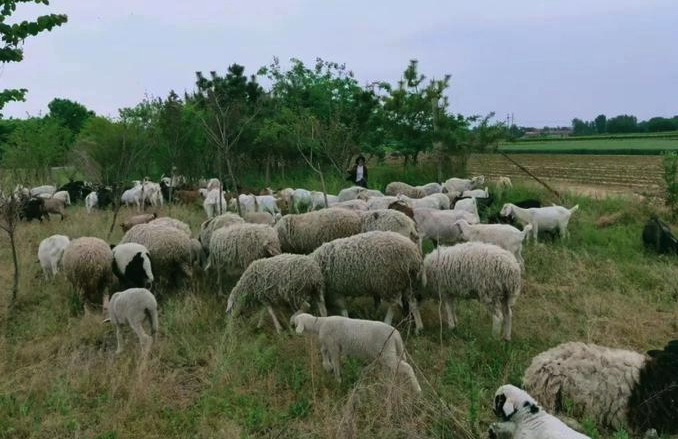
503 235
137 219
390 220
377 203
305 232
285 280
431 188
350 193
172 222
268 204
209 226
435 201
63 196
132 265
55 206
88 266
364 339
397 187
131 307
215 203
438 225
459 185
91 201
301 200
542 218
318 200
476 193
377 264
616 388
233 249
50 252
523 418
475 270
503 184
169 250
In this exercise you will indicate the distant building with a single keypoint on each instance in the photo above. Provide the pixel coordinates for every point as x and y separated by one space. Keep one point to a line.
549 132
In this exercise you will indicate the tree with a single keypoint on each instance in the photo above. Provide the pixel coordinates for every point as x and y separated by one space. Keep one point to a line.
601 124
658 124
582 128
623 123
69 114
13 36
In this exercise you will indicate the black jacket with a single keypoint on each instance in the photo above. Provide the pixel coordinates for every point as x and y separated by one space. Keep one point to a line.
352 173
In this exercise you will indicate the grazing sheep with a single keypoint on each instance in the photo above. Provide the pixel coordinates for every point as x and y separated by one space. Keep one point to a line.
431 188
542 218
475 270
285 280
377 264
33 208
657 236
391 221
357 205
233 249
305 232
439 225
55 206
398 188
615 388
172 222
459 185
169 250
132 265
318 200
376 203
50 252
435 201
131 307
402 207
137 219
502 235
363 339
523 418
476 193
301 200
215 204
503 184
469 205
198 256
39 190
268 204
350 193
88 265
63 196
91 201
209 226
259 218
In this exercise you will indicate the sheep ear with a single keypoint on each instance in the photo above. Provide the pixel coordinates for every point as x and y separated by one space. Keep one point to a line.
508 408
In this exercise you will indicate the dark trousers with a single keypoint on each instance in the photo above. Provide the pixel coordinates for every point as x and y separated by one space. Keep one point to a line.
362 183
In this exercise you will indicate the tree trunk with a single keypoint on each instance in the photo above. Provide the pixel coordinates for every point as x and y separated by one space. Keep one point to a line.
235 185
15 260
267 172
116 208
322 186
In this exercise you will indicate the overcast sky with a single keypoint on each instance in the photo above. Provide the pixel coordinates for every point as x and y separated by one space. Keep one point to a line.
544 61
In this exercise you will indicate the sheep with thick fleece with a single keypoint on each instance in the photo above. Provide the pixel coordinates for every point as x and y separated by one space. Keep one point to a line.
50 252
475 270
541 218
131 307
88 266
137 219
431 188
305 232
616 388
376 264
390 220
398 187
363 339
172 222
503 235
350 193
169 249
439 225
357 205
259 218
208 227
522 418
285 280
233 249
132 265
377 203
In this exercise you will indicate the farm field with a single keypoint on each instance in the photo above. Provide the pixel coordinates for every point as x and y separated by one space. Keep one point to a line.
214 376
619 174
636 146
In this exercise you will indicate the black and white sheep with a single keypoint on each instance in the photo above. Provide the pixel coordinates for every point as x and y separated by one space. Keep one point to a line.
475 270
616 388
132 265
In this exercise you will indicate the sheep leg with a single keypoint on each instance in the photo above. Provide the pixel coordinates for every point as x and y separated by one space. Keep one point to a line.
276 323
335 359
449 308
564 234
535 232
497 317
322 309
119 337
327 361
414 309
389 314
145 340
507 314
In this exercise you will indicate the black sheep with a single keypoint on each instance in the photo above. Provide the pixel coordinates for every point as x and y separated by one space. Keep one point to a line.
657 236
33 208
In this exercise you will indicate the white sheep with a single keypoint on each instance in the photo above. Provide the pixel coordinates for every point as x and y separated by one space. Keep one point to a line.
63 196
398 187
301 200
350 193
439 225
363 339
431 188
503 235
131 307
434 201
616 388
476 193
50 252
214 204
91 201
358 205
39 190
318 200
475 270
469 205
541 218
522 418
378 203
459 185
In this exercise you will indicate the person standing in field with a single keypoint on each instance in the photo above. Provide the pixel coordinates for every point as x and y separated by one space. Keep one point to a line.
358 173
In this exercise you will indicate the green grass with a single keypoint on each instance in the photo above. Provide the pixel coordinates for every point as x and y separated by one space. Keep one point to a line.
211 376
639 146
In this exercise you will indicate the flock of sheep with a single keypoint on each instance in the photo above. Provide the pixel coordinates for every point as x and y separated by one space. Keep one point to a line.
362 243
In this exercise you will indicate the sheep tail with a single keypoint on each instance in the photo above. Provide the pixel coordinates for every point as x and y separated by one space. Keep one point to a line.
152 314
574 209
